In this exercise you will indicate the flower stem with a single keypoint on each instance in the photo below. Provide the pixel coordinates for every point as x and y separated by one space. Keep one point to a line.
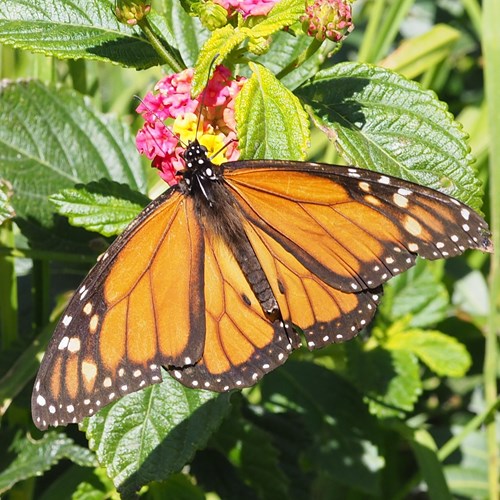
165 54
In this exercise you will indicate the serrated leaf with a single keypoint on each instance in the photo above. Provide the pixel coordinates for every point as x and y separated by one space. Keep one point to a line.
271 121
220 44
35 457
73 29
336 418
284 13
389 379
443 354
381 121
419 293
54 140
150 434
6 209
105 207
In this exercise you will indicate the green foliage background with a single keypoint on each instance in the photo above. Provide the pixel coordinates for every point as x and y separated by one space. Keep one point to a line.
407 408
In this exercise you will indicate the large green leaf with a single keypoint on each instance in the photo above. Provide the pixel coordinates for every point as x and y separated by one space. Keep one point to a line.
443 354
73 29
105 207
337 420
33 457
389 379
55 140
419 293
150 434
271 121
381 121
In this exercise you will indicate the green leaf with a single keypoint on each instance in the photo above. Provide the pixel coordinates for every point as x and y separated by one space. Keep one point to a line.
468 474
73 29
188 32
425 450
421 53
260 464
389 379
178 487
54 140
105 207
381 121
164 425
271 121
335 417
33 458
285 49
471 294
213 52
443 354
420 293
284 13
6 209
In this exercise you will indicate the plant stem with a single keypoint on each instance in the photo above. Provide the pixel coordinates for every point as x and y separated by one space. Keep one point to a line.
158 46
491 54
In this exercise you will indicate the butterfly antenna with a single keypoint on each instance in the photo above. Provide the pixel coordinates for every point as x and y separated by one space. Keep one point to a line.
225 146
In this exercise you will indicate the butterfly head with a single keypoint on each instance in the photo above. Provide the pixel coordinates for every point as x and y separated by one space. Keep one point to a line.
200 171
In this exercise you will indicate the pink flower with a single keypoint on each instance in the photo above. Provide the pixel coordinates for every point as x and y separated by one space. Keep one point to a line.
247 7
173 120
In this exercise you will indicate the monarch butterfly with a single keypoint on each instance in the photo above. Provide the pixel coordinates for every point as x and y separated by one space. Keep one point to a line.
262 248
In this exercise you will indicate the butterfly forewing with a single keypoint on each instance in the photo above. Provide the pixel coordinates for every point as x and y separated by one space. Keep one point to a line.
130 316
353 228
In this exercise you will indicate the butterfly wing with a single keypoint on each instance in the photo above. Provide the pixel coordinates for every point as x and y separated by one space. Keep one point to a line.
130 316
328 237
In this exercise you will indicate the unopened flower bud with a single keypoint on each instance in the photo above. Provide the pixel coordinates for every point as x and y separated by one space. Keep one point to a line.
259 46
328 19
131 11
212 15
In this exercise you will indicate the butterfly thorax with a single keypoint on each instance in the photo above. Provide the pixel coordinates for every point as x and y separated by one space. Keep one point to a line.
221 216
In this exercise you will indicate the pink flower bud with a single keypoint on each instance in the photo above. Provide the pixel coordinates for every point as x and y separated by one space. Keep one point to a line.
328 19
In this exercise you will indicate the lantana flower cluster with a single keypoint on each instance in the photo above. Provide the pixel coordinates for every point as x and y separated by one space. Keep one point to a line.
247 7
173 119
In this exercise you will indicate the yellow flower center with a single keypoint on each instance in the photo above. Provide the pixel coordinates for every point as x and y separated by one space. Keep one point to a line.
185 127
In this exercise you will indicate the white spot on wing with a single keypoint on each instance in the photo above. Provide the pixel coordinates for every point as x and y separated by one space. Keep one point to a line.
74 344
63 344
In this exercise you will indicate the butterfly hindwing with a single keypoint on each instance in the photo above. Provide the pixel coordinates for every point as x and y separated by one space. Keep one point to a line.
324 313
242 343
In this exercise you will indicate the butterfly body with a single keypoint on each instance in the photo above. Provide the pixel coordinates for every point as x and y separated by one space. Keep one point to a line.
210 279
